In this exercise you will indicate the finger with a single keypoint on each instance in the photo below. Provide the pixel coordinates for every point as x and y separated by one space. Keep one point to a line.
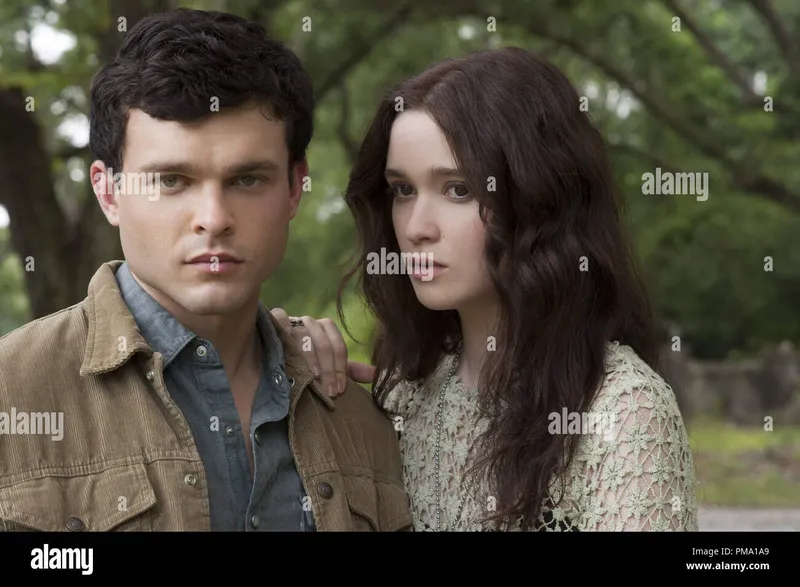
282 317
302 337
323 354
339 352
361 372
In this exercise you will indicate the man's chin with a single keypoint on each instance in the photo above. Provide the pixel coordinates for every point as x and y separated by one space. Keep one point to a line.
215 300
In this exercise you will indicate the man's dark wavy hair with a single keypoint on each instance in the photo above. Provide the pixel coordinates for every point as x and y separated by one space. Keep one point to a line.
172 64
556 248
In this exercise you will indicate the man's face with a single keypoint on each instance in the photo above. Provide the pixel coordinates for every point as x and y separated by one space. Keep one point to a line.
223 190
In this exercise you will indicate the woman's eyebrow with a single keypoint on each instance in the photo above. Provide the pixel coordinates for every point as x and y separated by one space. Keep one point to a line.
433 172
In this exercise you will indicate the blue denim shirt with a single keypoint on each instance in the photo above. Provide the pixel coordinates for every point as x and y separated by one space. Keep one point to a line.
272 497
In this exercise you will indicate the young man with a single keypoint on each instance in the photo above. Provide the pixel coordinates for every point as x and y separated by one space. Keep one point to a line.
170 398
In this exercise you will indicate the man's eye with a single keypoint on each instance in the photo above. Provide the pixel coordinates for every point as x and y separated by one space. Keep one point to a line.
169 181
249 180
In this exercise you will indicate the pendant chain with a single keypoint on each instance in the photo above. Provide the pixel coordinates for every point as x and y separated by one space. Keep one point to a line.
462 501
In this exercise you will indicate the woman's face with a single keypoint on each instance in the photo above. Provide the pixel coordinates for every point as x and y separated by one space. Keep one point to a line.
435 217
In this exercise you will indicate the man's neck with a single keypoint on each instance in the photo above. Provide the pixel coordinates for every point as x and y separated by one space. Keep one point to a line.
233 335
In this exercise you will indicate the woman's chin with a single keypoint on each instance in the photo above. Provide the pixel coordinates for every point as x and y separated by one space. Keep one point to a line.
438 301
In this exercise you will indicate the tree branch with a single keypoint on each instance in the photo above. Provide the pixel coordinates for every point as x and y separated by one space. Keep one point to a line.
653 103
650 158
742 180
753 182
782 36
359 53
720 60
342 128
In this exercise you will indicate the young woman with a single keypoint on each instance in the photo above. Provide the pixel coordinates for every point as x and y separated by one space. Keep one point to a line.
520 366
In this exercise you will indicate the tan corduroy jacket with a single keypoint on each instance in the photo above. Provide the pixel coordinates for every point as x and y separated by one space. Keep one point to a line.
90 439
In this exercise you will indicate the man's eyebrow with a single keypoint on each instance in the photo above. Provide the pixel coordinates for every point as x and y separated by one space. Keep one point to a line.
433 171
189 169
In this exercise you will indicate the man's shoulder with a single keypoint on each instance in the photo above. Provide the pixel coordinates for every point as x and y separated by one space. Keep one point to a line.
359 405
34 345
355 414
68 320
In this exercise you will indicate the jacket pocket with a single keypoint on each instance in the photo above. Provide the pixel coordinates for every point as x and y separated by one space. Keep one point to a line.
115 499
377 506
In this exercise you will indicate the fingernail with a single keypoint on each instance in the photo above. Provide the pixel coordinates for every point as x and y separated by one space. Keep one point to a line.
342 385
331 389
316 371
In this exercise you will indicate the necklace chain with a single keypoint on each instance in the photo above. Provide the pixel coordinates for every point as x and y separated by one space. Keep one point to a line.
462 501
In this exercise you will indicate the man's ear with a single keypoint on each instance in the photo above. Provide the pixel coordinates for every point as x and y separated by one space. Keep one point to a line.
102 180
301 178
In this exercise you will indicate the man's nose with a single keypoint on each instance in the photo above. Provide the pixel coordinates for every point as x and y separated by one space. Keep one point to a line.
212 212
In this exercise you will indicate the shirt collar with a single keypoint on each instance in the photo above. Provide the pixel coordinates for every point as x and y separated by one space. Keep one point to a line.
114 334
159 328
167 335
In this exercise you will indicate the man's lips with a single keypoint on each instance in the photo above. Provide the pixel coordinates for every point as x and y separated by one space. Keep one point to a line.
215 258
215 263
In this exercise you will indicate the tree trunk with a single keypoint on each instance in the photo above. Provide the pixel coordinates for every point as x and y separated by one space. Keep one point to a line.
58 257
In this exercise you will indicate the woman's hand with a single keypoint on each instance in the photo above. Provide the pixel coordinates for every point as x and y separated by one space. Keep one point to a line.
325 351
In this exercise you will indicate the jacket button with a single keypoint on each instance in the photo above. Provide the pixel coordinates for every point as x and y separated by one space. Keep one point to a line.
75 525
150 376
190 480
325 490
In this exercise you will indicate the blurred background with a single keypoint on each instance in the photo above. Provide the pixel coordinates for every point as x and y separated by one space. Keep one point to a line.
707 86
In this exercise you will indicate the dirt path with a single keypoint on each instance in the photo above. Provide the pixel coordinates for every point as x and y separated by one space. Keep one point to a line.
748 520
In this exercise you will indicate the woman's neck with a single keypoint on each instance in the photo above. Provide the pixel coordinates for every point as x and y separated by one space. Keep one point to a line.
479 340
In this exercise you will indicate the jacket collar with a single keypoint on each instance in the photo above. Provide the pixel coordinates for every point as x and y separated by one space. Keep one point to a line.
113 336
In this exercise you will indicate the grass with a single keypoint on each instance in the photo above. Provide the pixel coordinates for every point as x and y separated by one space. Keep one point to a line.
737 466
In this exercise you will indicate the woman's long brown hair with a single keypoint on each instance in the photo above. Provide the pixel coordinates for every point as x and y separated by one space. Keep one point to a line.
556 249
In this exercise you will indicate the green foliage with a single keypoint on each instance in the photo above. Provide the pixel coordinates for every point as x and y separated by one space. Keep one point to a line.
13 301
655 90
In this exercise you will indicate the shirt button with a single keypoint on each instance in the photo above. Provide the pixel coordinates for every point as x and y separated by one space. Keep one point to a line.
201 351
229 430
278 378
254 521
75 525
325 490
190 480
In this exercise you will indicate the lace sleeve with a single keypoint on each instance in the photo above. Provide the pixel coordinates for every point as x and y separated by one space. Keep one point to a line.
640 476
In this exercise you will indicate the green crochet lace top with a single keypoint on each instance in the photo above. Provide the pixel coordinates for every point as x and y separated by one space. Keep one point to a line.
632 470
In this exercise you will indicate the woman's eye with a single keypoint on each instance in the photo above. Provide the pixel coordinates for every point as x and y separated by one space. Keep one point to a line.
459 191
402 189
